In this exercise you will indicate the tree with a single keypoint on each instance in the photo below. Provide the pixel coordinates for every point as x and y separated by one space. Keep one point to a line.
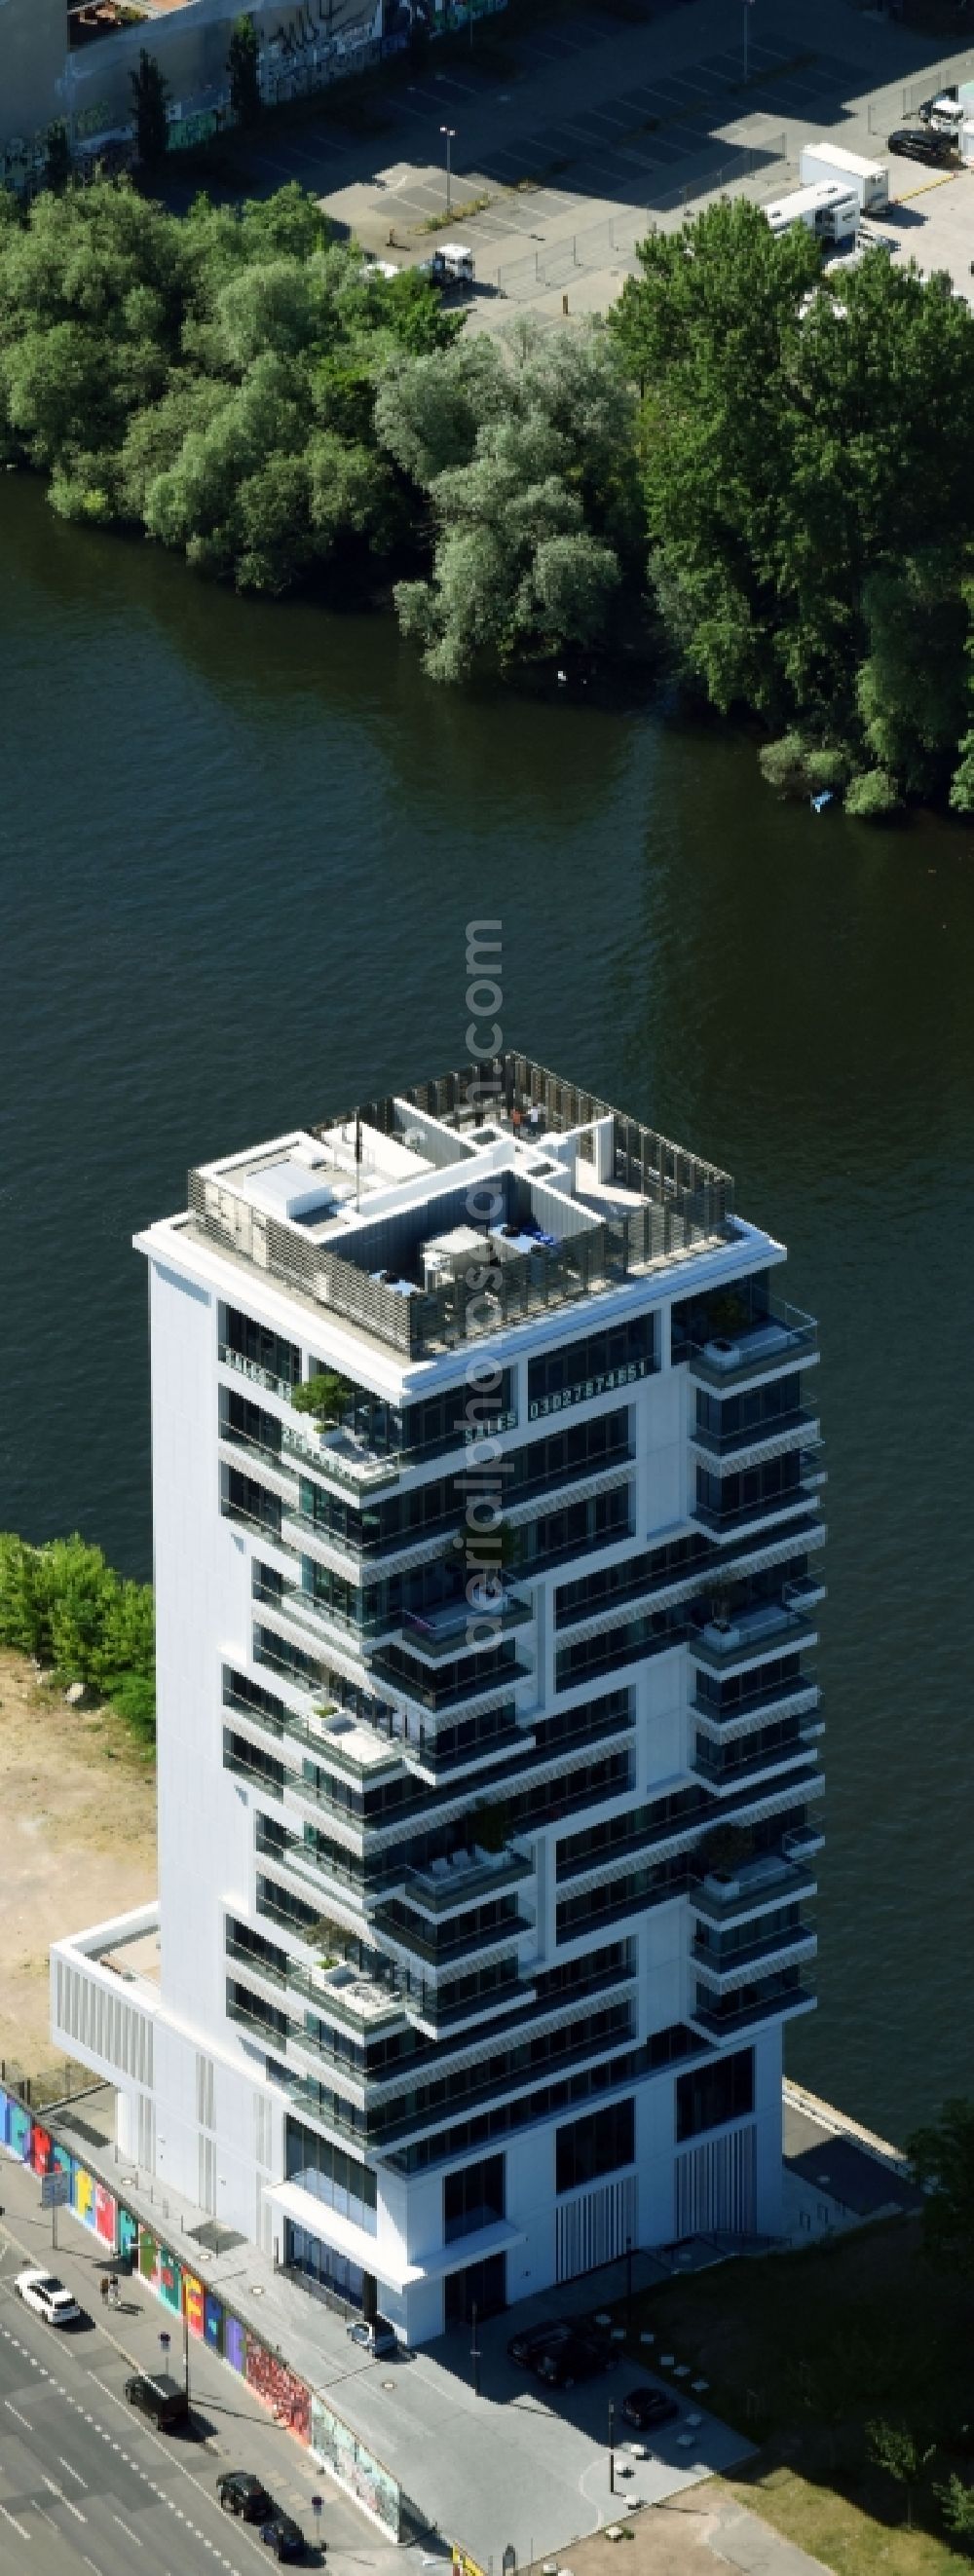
956 2503
150 98
896 2451
57 166
243 65
942 2162
326 1396
517 447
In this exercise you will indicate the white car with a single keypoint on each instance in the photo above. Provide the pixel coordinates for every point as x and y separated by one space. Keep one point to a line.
48 2297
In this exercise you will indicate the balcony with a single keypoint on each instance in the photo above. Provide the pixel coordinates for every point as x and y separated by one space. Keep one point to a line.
723 1773
724 1518
785 1338
447 1944
456 1690
727 1451
339 1459
725 1970
255 1375
446 1886
766 1628
781 1998
752 1886
363 2005
443 1631
798 1697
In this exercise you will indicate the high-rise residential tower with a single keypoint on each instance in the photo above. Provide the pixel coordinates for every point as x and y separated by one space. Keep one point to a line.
488 1782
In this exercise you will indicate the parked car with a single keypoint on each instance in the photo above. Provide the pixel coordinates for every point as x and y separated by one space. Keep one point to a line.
48 2297
645 2407
920 143
572 2357
285 2537
163 2399
378 2338
525 2346
240 2492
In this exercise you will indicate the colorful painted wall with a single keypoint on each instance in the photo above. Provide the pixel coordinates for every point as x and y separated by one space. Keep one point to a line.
159 2269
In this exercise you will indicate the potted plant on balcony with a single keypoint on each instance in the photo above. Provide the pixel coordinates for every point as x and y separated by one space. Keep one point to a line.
326 1397
492 1825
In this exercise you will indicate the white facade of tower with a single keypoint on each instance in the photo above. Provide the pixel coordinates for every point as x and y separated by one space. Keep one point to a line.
483 1864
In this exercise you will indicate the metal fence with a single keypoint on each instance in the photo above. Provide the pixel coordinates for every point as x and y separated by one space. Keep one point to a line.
902 99
580 254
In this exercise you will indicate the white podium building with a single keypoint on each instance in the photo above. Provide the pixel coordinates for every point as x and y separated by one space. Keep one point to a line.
486 1728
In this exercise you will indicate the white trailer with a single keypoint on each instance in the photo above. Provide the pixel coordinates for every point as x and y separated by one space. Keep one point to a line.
829 210
870 179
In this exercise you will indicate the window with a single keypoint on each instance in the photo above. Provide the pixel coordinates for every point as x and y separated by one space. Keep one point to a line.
264 1349
715 2093
596 2145
473 2198
330 2174
592 1366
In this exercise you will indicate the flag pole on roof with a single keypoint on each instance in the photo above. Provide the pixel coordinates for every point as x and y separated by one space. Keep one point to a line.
358 1160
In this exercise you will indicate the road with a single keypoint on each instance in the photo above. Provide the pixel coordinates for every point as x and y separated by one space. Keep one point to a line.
86 2484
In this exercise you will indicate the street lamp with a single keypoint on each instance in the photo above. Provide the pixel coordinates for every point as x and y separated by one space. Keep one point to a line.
475 2350
612 2448
450 132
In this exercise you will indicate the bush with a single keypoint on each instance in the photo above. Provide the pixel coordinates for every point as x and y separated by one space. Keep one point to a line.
65 1605
872 795
797 767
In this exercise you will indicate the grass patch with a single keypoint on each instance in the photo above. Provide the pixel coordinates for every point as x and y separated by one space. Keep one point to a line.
457 215
802 2352
831 2527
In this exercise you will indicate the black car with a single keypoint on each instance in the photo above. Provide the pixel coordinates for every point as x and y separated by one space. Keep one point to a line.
572 2357
645 2407
532 2340
240 2492
163 2399
918 143
284 2537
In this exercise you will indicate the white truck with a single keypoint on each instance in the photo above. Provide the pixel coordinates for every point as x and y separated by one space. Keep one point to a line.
831 161
829 210
451 265
946 114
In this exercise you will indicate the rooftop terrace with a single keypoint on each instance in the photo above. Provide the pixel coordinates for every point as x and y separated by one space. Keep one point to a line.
443 1213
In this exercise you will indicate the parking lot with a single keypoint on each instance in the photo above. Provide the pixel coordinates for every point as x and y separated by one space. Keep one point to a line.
598 129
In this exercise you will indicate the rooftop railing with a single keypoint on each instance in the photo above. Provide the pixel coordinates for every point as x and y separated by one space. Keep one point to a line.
685 1204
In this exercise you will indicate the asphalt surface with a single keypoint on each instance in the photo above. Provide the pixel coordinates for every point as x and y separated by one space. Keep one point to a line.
86 2483
83 2482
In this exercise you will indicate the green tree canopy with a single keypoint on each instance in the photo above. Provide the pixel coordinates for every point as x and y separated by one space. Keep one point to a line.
243 65
942 2162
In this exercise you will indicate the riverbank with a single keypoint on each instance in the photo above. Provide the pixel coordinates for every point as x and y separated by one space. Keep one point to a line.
77 1795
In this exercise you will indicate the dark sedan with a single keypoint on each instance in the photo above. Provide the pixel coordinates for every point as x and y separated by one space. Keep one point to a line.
573 2357
285 2538
240 2492
918 143
532 2340
646 2407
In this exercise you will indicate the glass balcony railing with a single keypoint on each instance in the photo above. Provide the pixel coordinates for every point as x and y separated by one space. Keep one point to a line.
722 2015
783 1338
762 1628
443 1886
769 1878
727 1445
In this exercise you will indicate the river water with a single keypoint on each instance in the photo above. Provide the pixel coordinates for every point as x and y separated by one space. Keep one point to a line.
240 844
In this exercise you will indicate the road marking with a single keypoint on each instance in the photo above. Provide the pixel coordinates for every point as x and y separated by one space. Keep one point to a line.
15 2410
129 2534
12 2518
57 2491
72 2473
